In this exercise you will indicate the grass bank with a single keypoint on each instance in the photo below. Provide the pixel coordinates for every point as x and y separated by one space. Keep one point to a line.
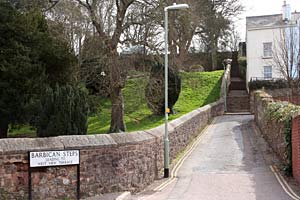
198 89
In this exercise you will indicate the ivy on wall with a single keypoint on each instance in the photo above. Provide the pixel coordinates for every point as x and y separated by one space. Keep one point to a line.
283 112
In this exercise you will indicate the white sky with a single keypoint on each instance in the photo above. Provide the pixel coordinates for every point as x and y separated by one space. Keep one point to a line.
262 7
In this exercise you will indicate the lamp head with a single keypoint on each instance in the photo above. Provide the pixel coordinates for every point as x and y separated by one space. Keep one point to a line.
177 7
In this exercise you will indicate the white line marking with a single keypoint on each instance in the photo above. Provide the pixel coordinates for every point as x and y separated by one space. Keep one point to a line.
282 184
286 184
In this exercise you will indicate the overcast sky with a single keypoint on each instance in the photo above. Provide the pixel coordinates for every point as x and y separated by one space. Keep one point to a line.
262 7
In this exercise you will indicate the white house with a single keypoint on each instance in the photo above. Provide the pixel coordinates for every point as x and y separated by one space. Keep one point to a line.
264 38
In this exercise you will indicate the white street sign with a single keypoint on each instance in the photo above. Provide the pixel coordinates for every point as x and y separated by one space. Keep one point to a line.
54 158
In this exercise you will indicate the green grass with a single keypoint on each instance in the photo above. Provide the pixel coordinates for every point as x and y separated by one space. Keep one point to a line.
198 89
21 131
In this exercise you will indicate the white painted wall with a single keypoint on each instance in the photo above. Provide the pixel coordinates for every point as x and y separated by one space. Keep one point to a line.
255 59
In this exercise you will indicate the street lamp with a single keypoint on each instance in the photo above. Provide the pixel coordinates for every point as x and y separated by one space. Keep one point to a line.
167 109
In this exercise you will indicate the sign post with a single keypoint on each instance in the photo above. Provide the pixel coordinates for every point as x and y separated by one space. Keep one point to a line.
52 159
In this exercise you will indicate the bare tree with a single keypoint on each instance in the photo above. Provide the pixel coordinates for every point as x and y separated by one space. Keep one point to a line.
111 19
142 29
216 17
182 30
138 22
148 28
285 53
231 39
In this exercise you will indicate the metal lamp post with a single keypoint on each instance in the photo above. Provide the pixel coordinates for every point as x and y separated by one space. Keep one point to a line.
167 109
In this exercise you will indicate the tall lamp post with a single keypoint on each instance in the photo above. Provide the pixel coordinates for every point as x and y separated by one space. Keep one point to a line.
167 109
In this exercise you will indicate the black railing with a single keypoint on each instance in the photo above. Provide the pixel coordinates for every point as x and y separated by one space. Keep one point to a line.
264 79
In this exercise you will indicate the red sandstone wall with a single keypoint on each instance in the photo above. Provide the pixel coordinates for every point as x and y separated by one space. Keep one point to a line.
296 148
293 100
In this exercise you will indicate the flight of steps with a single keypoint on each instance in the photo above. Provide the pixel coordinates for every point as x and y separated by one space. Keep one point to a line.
238 100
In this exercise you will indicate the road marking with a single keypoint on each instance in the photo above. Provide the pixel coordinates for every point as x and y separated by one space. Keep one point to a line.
284 181
182 159
124 196
284 184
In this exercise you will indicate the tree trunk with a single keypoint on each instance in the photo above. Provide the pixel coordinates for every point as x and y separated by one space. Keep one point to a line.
183 52
117 112
3 129
214 58
116 84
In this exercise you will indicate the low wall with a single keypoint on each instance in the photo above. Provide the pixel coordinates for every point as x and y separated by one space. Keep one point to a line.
271 129
108 162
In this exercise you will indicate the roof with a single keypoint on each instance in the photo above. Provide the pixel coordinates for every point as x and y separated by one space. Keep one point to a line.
268 21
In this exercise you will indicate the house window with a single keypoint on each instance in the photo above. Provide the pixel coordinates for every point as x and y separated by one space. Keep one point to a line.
267 49
267 72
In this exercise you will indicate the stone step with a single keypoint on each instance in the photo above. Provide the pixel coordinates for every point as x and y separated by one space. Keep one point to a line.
238 101
237 84
236 79
238 93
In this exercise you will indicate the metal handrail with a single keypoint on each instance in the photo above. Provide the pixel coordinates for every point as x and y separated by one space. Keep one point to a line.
264 79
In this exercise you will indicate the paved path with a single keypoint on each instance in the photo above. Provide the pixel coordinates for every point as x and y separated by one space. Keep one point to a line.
230 163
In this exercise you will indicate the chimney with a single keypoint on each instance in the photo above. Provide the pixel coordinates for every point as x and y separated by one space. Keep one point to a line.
286 12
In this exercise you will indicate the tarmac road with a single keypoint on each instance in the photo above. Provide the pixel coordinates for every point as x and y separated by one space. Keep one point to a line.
231 162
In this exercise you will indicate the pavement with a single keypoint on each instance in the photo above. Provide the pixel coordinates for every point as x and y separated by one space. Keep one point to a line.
231 162
112 196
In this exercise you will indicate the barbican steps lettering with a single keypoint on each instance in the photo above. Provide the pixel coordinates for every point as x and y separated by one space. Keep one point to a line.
54 158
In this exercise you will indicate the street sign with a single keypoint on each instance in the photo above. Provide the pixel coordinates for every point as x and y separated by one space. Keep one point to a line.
51 159
54 158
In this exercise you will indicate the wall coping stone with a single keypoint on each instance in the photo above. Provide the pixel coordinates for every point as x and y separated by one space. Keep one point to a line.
131 138
21 145
86 141
157 131
296 114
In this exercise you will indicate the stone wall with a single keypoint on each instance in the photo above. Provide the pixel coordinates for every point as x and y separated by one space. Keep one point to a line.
108 162
271 129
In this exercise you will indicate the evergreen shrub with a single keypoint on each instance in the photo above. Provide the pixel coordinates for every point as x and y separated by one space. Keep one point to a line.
242 66
267 84
63 111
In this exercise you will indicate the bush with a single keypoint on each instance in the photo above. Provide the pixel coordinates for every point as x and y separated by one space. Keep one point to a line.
155 95
196 68
63 111
94 103
267 84
94 70
242 66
